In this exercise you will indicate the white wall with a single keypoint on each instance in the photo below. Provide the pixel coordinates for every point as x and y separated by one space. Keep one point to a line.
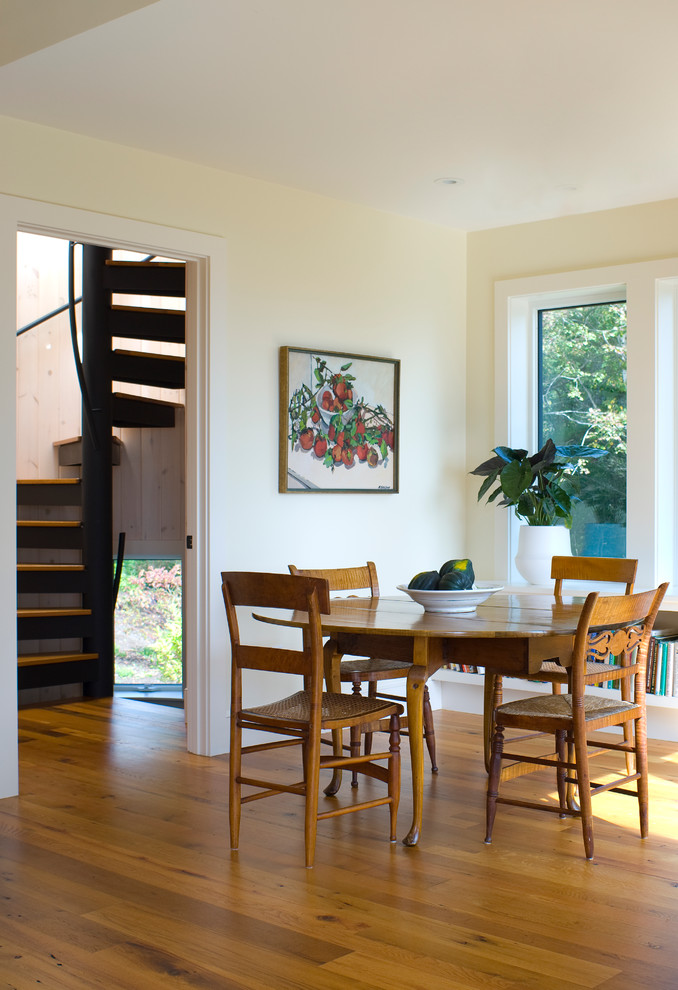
300 270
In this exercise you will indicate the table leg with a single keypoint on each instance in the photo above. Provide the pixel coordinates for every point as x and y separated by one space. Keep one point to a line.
416 679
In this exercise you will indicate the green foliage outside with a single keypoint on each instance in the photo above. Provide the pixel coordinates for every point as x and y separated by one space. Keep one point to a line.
148 623
583 388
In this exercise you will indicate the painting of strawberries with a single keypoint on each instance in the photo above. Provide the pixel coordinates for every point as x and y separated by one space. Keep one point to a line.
338 422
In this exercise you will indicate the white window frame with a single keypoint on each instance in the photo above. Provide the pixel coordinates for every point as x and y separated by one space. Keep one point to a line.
651 293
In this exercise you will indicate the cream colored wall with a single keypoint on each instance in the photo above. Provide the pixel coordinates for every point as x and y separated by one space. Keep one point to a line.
613 237
304 271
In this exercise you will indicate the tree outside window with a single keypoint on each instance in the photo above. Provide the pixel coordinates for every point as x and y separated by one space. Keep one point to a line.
582 400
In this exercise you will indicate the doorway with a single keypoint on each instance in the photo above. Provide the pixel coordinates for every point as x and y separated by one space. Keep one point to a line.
145 348
207 268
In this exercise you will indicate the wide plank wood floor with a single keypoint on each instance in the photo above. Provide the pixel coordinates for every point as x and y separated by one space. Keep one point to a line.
116 873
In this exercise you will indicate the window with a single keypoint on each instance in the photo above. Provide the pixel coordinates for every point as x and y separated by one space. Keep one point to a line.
650 292
581 399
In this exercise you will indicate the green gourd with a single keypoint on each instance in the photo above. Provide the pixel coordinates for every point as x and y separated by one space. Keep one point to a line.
456 575
425 581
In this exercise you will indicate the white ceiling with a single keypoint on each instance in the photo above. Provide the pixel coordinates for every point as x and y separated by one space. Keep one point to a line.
542 107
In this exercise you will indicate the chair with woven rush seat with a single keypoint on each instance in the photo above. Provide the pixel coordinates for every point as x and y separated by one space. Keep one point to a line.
617 570
372 669
612 626
301 717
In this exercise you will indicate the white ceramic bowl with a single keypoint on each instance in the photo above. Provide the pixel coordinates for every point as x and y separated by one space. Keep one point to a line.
451 601
326 415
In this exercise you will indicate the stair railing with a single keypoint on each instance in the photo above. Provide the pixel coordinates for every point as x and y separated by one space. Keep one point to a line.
118 567
47 316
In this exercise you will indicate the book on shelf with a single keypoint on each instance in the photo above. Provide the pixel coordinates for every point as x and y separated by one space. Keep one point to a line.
662 667
463 668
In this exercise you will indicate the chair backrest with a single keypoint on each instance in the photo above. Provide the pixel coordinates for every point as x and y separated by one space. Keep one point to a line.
345 578
620 570
304 594
615 625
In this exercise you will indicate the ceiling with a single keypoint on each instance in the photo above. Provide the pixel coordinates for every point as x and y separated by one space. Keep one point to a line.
540 109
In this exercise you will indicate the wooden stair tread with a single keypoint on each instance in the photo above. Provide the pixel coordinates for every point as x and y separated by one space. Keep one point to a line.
149 401
37 659
49 613
110 263
62 443
59 523
169 311
51 568
149 355
50 481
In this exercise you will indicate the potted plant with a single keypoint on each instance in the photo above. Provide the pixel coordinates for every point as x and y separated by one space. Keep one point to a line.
542 489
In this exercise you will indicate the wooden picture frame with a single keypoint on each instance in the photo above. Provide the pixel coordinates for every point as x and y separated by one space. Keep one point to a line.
338 422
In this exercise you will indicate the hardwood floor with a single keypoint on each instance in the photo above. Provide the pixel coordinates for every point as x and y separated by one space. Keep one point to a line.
116 873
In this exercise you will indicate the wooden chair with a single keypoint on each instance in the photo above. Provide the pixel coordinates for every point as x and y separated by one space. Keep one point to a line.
618 625
371 669
618 570
301 717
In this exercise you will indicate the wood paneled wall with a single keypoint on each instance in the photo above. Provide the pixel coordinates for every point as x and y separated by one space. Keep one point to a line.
48 398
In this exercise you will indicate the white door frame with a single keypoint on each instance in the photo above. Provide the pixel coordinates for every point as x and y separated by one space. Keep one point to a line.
205 256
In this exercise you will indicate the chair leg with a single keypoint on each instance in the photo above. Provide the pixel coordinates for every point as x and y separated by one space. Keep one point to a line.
583 779
234 786
371 693
626 691
394 772
338 749
493 780
561 772
429 731
640 732
492 698
312 786
571 788
357 689
355 750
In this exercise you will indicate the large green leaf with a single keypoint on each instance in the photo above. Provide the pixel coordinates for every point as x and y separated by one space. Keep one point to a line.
487 484
525 507
515 478
543 458
509 454
492 466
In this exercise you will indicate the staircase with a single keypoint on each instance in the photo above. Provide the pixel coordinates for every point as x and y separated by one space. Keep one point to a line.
139 323
64 526
52 638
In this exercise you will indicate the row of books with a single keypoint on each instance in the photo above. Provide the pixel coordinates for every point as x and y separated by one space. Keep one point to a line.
662 667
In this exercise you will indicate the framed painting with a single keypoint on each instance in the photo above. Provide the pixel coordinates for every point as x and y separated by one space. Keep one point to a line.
338 422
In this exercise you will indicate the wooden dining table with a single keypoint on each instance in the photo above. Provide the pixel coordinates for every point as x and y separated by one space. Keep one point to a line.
509 634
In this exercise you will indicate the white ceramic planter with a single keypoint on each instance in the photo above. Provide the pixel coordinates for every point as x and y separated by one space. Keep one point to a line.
536 546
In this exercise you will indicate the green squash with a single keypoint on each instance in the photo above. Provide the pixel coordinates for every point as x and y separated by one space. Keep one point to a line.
456 575
425 581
